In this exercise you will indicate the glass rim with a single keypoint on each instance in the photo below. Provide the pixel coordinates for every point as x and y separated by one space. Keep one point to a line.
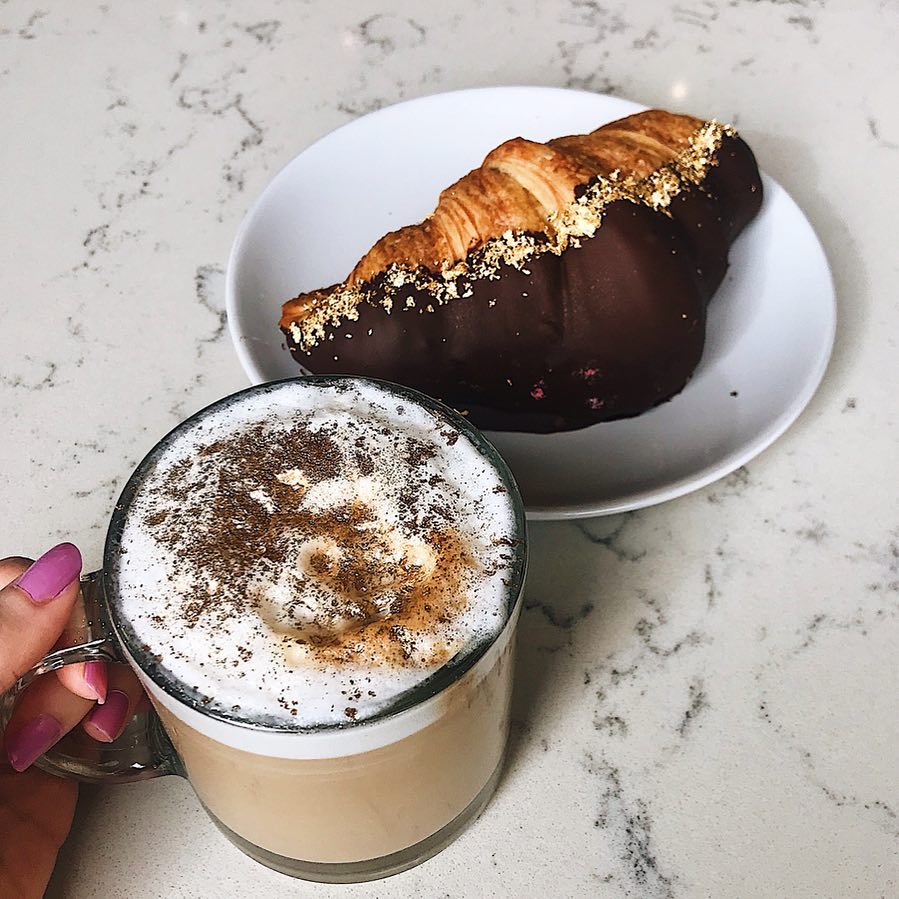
442 678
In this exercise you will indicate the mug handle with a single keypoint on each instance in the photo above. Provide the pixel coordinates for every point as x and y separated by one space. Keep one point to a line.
142 751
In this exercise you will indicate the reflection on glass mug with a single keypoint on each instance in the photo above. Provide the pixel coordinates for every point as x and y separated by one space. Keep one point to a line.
317 582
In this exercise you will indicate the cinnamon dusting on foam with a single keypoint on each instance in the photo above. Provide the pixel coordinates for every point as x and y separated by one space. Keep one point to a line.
389 595
579 220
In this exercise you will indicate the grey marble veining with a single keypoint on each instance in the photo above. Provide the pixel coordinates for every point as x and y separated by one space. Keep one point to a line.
707 697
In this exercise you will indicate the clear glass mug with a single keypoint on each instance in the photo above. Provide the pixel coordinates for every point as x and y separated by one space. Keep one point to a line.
333 804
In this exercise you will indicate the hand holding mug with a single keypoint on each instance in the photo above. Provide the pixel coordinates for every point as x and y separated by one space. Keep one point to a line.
39 602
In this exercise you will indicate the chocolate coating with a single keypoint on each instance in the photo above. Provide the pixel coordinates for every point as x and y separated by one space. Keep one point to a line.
605 330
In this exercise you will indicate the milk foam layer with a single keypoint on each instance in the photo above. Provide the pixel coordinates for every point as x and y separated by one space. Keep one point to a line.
306 553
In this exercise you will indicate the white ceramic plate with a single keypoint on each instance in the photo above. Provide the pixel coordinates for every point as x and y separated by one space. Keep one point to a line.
770 326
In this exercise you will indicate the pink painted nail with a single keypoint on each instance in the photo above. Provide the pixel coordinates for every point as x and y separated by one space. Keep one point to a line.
106 721
51 573
96 678
32 741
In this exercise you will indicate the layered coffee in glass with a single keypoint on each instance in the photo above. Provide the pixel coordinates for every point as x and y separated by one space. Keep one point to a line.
318 582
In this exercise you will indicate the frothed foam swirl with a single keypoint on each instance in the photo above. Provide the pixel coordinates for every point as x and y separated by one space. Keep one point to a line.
305 554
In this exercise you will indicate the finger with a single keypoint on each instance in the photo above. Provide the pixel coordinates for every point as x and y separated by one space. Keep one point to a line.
107 721
87 679
45 713
34 609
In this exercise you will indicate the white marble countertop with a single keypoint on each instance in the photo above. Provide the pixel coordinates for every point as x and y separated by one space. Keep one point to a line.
707 698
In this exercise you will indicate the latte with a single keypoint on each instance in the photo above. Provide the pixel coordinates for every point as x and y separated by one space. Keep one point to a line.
318 583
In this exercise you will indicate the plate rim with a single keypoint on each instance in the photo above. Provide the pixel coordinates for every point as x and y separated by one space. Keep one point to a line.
642 499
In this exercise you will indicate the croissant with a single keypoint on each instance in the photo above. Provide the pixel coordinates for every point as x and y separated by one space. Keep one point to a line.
556 286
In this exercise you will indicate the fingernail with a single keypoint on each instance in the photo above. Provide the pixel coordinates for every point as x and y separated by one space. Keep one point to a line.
95 677
51 573
32 741
106 721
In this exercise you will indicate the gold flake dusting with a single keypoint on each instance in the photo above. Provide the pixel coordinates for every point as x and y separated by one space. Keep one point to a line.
578 221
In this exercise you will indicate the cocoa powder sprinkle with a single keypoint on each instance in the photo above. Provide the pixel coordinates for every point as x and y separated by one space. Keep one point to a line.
251 523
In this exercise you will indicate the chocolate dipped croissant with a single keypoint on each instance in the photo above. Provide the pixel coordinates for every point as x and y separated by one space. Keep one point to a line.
556 286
